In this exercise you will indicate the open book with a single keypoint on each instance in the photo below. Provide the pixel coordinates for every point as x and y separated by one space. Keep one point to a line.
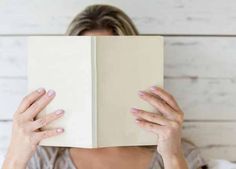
96 79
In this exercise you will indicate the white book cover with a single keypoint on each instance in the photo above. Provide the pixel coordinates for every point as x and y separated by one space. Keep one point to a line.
96 79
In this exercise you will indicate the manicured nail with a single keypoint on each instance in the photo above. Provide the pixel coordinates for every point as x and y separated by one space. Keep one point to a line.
137 120
40 90
60 111
134 110
51 93
153 88
60 130
141 93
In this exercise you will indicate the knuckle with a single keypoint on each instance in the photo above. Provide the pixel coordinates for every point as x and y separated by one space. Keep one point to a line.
152 97
180 118
141 112
151 125
153 116
42 121
35 106
174 125
45 134
27 99
170 97
162 104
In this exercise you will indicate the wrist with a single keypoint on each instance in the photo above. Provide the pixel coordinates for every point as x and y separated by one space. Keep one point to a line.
175 160
173 155
14 161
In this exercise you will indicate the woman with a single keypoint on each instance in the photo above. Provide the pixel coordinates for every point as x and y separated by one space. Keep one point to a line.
169 153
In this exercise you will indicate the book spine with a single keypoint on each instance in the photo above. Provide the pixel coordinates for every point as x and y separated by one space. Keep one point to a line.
94 91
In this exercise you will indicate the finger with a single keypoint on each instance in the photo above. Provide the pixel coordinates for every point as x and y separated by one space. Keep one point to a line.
167 97
29 99
155 128
159 104
39 105
151 117
37 124
38 136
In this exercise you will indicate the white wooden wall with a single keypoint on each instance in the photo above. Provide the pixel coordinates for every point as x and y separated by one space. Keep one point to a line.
200 61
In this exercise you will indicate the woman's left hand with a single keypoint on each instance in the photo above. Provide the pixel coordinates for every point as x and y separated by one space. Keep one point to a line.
167 125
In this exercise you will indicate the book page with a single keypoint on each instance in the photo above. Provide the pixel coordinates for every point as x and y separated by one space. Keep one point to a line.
125 65
64 65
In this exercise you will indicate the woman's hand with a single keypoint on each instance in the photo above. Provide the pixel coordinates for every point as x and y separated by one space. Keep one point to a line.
25 132
167 125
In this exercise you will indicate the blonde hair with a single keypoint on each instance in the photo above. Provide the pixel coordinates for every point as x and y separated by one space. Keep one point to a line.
102 17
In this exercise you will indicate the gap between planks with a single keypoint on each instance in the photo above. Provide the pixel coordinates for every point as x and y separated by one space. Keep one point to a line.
165 77
161 34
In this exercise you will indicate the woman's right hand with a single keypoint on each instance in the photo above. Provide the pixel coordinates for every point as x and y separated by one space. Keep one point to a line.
25 131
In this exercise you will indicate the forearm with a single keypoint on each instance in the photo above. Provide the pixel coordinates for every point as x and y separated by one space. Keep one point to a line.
176 162
12 162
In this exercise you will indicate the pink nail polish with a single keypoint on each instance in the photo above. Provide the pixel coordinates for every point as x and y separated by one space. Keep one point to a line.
60 111
137 121
134 110
59 130
51 93
153 88
40 90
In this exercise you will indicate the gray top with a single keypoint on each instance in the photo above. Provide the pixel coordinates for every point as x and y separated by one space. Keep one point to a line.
59 158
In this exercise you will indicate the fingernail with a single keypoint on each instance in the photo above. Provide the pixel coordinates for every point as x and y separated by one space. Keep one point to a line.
134 110
39 90
153 88
137 120
60 130
51 93
60 111
141 93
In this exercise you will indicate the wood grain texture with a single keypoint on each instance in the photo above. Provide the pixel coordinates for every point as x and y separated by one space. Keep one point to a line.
202 99
5 136
202 81
215 139
13 56
200 68
11 93
200 57
151 17
206 136
185 57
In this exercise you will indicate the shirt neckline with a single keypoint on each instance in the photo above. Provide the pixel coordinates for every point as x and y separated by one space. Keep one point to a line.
69 158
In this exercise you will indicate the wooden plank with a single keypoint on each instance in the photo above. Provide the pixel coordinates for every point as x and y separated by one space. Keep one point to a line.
185 57
204 99
5 136
207 136
153 16
13 55
11 93
200 57
201 99
202 81
215 139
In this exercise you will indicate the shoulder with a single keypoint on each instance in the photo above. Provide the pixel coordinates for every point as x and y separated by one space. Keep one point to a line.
45 157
